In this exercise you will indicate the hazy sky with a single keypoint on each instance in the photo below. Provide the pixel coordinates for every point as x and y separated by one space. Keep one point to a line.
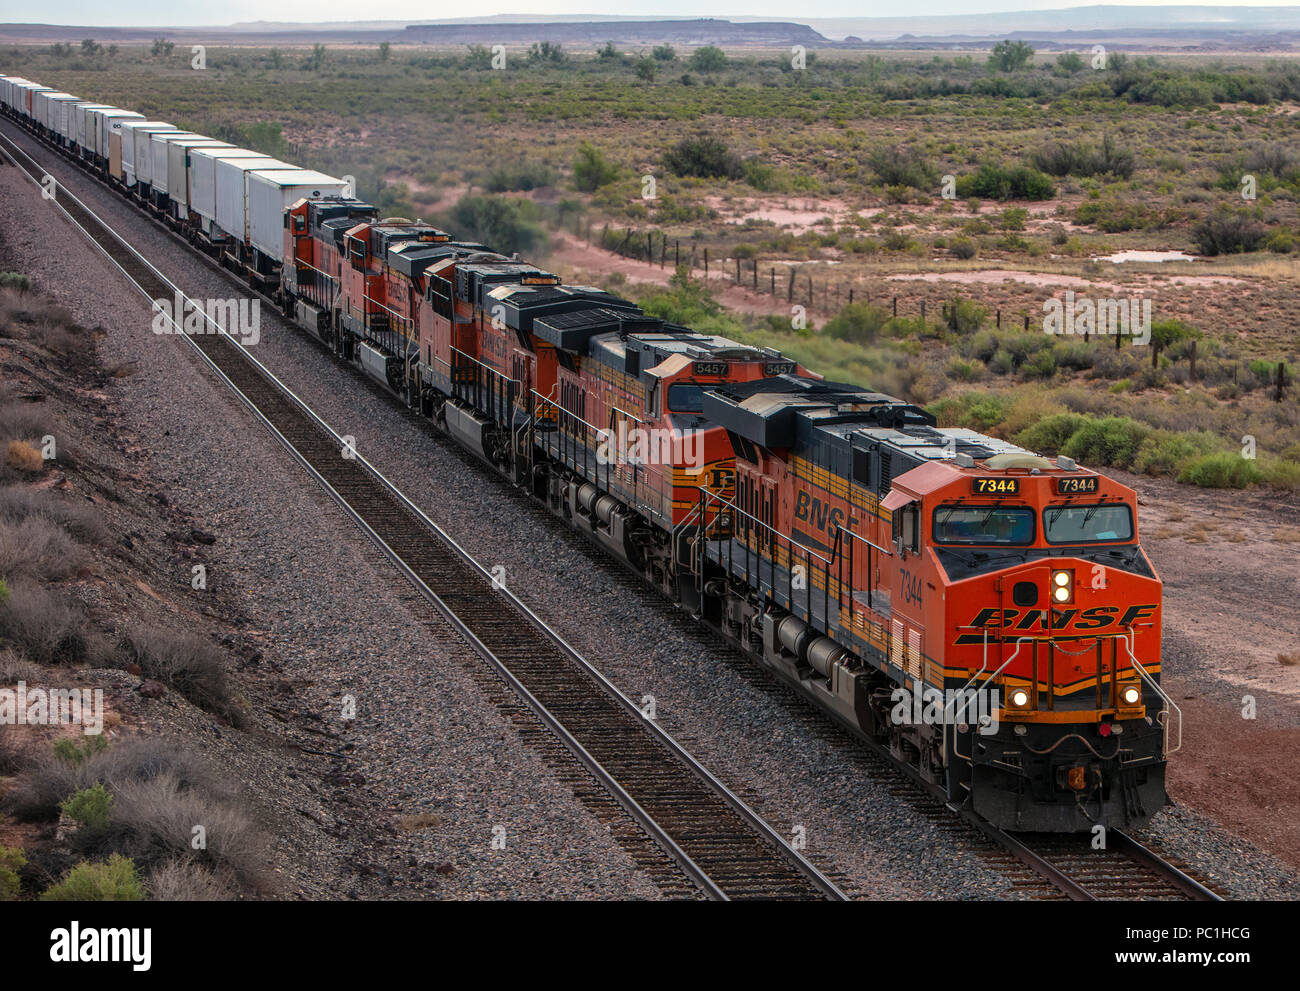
186 12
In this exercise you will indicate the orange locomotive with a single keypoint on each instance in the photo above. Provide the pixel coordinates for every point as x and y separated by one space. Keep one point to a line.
985 613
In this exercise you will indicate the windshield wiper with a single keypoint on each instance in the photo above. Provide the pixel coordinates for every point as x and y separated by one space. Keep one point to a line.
989 515
1092 511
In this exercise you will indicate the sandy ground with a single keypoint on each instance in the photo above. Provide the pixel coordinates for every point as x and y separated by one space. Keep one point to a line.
1231 606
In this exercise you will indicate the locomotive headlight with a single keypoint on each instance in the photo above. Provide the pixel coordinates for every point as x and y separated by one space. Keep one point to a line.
1131 695
1062 586
1018 697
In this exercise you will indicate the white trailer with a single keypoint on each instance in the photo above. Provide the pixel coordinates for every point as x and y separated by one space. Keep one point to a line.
203 181
178 172
269 194
130 132
232 217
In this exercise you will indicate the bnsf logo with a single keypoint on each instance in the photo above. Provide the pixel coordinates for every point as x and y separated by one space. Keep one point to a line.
1096 618
822 515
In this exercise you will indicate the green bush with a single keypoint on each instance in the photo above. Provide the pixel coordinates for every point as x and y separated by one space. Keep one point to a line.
15 280
964 316
703 156
708 58
591 169
1001 182
1222 470
860 323
90 808
76 751
1050 433
1281 473
1111 442
11 862
113 881
964 248
1228 231
1165 452
502 223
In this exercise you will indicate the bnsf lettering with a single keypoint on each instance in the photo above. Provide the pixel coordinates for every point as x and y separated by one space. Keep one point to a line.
1095 618
821 514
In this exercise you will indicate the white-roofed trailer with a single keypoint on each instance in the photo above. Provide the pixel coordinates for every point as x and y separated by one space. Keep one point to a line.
269 194
130 133
232 217
203 185
178 173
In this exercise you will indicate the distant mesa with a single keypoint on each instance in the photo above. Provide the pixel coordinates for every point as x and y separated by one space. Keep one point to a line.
700 31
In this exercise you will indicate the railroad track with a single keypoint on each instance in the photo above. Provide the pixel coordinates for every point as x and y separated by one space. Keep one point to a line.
1044 866
715 839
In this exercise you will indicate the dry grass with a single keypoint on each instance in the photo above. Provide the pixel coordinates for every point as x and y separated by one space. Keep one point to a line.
39 550
419 821
21 456
160 793
46 626
1289 660
19 504
189 664
1287 535
185 880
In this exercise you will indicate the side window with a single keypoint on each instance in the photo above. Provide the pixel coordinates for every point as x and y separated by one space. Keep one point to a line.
907 528
862 468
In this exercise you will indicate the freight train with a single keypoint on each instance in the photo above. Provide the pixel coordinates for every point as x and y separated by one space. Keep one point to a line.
984 613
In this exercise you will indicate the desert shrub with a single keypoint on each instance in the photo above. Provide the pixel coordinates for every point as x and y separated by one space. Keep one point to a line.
507 225
49 628
1050 433
155 819
188 663
703 156
11 862
1281 473
707 58
964 316
15 281
1112 441
1002 182
902 165
591 169
75 751
965 371
1228 231
39 550
182 879
520 176
963 249
18 504
90 808
21 456
1165 452
860 323
113 881
1221 470
1062 159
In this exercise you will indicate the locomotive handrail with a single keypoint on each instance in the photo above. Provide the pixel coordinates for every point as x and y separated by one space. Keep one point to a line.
1169 702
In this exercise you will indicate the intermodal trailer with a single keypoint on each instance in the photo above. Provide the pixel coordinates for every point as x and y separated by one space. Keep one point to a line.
143 138
178 172
85 129
232 190
203 183
269 195
110 124
130 133
58 113
158 162
47 109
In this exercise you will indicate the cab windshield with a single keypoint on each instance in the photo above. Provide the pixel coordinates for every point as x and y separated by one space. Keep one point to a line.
983 525
1087 524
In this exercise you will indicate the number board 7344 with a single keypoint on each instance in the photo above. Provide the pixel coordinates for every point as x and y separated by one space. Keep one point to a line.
995 486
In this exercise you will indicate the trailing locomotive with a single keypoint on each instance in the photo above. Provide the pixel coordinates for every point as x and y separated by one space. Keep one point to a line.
985 613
